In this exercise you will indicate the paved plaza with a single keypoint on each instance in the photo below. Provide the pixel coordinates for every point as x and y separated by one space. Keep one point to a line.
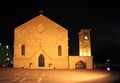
12 75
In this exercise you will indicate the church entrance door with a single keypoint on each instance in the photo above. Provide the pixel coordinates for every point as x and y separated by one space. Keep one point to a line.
41 61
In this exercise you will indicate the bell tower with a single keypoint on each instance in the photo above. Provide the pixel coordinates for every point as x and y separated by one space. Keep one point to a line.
84 42
85 47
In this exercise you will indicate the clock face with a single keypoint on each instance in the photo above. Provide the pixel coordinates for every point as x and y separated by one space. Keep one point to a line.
86 37
40 28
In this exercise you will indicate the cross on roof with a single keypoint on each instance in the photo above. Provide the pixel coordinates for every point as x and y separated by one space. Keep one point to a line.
41 11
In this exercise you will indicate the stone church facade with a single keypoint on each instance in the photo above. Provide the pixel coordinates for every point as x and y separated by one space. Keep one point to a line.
42 43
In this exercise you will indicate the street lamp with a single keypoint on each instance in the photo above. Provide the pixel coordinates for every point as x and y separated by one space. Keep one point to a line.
108 67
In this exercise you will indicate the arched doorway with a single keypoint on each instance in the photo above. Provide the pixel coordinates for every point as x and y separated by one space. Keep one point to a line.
80 65
41 61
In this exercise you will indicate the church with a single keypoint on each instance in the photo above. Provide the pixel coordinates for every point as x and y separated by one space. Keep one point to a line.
41 43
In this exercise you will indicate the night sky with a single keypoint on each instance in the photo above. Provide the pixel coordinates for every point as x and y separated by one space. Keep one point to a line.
103 18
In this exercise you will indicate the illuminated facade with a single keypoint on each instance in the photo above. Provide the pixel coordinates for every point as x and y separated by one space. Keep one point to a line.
42 43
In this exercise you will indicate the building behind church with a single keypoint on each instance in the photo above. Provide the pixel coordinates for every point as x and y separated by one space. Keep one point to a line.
42 43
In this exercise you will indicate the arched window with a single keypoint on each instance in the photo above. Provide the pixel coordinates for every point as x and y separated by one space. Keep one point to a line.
59 50
41 61
23 50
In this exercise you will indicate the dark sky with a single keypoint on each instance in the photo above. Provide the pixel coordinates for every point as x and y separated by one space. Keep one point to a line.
103 18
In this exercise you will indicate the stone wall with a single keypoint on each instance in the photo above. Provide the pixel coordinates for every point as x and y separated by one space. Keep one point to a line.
80 62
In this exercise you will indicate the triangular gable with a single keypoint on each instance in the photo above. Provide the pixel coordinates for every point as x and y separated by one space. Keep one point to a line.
38 19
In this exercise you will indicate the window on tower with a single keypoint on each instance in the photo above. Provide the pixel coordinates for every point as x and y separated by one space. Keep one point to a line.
85 33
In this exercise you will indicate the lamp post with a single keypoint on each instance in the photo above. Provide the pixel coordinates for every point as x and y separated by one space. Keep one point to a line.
108 67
